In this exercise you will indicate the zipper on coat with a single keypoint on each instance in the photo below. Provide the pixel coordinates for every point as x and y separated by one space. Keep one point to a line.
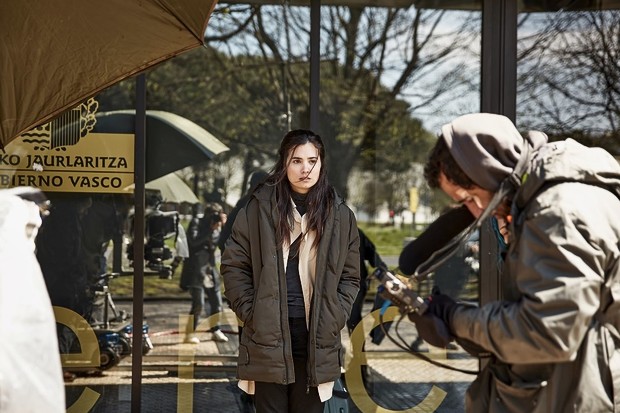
284 325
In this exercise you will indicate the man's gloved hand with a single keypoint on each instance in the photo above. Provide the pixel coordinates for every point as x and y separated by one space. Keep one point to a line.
431 329
434 325
442 306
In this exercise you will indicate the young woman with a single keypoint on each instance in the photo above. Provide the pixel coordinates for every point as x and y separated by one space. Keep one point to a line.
291 274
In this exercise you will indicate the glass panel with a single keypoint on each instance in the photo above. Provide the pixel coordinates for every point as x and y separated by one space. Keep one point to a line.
246 96
84 178
390 78
568 75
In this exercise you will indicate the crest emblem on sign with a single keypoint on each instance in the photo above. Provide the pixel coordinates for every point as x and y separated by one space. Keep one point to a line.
65 130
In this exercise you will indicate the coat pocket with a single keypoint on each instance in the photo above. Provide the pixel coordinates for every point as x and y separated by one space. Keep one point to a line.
244 355
498 390
328 362
519 396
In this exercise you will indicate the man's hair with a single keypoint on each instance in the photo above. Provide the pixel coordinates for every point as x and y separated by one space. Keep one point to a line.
440 160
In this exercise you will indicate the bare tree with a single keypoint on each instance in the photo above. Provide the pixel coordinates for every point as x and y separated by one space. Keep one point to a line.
569 76
382 69
373 59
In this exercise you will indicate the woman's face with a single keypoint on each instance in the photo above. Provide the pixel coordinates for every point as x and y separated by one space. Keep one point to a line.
303 168
475 199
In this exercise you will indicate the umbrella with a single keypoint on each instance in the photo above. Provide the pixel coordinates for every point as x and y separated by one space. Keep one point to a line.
54 55
172 141
173 189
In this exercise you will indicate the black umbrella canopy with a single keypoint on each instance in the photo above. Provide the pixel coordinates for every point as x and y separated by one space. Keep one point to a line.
172 141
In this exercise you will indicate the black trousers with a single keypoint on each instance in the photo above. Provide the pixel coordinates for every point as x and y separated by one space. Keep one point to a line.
288 398
296 397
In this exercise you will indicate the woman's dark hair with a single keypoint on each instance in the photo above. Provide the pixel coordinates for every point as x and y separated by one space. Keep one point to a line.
319 199
440 160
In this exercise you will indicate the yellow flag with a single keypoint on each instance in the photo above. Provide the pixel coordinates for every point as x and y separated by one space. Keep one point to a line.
413 199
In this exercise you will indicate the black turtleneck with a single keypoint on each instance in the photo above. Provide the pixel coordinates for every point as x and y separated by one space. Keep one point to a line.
294 291
300 202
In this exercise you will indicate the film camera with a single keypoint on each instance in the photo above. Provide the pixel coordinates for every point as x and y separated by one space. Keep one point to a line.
159 227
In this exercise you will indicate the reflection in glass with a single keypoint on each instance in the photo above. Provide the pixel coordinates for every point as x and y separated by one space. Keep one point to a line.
568 75
390 78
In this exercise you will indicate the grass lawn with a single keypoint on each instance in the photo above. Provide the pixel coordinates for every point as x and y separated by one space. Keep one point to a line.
153 287
388 240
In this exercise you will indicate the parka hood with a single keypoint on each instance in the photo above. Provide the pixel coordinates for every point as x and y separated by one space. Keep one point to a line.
569 161
487 146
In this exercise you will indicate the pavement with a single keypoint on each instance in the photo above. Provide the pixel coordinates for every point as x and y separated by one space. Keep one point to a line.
183 377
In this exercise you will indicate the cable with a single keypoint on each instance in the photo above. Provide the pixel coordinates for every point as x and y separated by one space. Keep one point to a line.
407 349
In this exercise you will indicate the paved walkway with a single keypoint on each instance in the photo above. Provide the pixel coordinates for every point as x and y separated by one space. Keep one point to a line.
179 377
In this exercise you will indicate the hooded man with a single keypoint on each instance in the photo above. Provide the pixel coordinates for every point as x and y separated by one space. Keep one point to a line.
553 339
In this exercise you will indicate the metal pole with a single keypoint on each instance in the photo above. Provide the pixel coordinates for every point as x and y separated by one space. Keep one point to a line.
315 63
498 94
499 57
285 96
138 243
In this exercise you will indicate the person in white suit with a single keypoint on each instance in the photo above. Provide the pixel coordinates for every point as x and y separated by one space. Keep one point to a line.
31 378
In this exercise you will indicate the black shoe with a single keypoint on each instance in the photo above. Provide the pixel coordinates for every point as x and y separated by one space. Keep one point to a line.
416 346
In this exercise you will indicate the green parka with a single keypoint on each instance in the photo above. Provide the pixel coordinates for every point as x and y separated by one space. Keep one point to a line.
255 284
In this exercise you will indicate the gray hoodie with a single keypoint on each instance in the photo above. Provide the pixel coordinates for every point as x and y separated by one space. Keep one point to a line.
555 336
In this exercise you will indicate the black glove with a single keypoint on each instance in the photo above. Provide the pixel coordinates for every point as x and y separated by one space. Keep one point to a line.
431 329
442 306
434 325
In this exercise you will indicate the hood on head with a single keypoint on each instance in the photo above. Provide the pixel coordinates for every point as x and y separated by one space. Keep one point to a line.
487 146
